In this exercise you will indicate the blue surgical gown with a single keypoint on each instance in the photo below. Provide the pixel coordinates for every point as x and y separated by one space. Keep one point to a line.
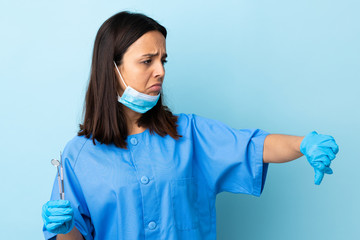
160 188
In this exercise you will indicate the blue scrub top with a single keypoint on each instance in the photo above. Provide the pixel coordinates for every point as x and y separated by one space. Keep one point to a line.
160 188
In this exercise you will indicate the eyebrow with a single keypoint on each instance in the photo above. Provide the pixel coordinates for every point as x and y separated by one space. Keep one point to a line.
153 54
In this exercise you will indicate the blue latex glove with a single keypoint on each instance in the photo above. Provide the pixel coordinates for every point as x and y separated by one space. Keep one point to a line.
319 150
58 216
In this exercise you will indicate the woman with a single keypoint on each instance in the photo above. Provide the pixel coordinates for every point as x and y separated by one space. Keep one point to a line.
136 170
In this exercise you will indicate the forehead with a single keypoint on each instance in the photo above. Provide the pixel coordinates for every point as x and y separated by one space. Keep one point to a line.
150 42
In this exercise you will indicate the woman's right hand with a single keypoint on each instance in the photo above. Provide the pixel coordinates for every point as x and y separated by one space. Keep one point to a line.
58 216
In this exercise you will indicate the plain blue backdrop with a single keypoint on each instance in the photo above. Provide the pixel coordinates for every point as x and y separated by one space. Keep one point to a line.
288 67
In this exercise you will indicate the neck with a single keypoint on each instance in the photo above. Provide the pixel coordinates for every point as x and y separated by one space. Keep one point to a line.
131 119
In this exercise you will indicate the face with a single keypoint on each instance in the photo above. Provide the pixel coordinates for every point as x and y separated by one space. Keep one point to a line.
142 65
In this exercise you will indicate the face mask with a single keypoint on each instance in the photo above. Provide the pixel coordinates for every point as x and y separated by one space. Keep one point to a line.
137 101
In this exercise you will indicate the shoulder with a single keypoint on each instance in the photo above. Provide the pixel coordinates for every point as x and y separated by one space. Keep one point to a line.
76 142
196 123
74 147
189 121
186 118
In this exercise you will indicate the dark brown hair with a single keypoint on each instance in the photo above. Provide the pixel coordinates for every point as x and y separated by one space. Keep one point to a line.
105 119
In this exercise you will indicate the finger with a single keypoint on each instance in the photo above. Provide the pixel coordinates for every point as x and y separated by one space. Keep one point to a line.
58 203
44 217
59 211
319 165
329 153
334 147
324 159
330 142
56 218
313 133
327 170
51 227
318 177
60 219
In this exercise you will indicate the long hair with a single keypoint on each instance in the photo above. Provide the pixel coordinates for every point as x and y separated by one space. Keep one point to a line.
105 118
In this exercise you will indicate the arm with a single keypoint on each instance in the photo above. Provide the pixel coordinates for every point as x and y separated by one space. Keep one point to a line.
74 234
279 148
319 150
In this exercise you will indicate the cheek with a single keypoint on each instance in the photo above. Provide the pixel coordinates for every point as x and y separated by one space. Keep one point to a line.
141 83
139 80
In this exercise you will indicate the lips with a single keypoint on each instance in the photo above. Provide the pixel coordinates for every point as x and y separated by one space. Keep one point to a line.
155 87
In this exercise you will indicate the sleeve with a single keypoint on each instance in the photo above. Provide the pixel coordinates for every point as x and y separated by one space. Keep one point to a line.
74 194
230 159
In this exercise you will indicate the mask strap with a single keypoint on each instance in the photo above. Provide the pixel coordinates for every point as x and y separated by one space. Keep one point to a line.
120 74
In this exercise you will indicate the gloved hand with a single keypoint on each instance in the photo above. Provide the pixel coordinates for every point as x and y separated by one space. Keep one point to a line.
319 150
58 216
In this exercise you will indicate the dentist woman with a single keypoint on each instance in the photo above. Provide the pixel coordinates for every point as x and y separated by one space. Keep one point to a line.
135 170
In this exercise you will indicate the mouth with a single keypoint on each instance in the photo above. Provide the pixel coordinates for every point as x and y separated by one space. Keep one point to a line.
156 87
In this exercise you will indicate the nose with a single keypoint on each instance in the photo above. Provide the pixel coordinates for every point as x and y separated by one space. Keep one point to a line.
159 71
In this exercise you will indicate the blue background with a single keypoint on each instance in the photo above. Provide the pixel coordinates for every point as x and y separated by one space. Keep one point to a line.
288 67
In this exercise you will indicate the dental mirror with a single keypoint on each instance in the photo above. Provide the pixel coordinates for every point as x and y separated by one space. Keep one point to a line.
55 162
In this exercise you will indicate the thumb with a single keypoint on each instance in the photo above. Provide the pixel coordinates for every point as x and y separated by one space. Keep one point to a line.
318 176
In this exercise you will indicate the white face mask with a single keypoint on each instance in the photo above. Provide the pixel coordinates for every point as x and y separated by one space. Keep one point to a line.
137 101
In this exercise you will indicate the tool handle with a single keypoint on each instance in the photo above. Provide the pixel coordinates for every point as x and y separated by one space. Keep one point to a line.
60 189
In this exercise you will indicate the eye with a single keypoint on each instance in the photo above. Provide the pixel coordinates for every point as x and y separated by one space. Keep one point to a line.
149 61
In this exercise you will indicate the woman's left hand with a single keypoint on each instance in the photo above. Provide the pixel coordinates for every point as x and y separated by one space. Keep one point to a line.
319 150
